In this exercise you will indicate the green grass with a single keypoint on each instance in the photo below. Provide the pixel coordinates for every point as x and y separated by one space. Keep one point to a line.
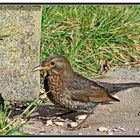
88 35
7 126
11 126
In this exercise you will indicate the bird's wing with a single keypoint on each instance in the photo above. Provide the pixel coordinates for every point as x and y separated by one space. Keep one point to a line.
85 90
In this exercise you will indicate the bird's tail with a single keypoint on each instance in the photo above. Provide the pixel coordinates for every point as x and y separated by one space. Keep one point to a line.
116 87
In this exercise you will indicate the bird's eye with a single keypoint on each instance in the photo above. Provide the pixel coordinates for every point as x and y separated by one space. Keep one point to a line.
52 63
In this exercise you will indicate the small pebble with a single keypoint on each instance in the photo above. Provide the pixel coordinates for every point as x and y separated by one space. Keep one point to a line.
42 132
81 117
110 133
115 130
59 123
136 129
102 129
72 124
49 123
121 129
21 105
17 109
61 131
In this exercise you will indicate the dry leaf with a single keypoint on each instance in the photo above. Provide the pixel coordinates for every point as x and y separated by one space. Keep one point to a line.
59 123
49 123
102 129
72 124
104 67
81 117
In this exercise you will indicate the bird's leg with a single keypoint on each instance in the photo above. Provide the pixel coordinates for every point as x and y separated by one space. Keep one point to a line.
81 124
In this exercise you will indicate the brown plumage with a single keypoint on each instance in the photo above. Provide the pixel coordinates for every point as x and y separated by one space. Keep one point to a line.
69 89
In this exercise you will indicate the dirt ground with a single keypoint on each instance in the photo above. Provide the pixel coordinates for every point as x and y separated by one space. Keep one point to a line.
117 118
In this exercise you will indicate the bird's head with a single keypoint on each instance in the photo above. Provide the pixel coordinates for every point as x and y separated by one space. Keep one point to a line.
55 64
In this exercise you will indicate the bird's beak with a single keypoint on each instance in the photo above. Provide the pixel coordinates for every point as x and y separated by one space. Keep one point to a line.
38 68
41 67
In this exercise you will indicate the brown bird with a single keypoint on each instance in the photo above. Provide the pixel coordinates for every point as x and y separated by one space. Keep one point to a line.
70 90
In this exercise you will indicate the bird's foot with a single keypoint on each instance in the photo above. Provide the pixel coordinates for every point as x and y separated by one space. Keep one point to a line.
81 124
